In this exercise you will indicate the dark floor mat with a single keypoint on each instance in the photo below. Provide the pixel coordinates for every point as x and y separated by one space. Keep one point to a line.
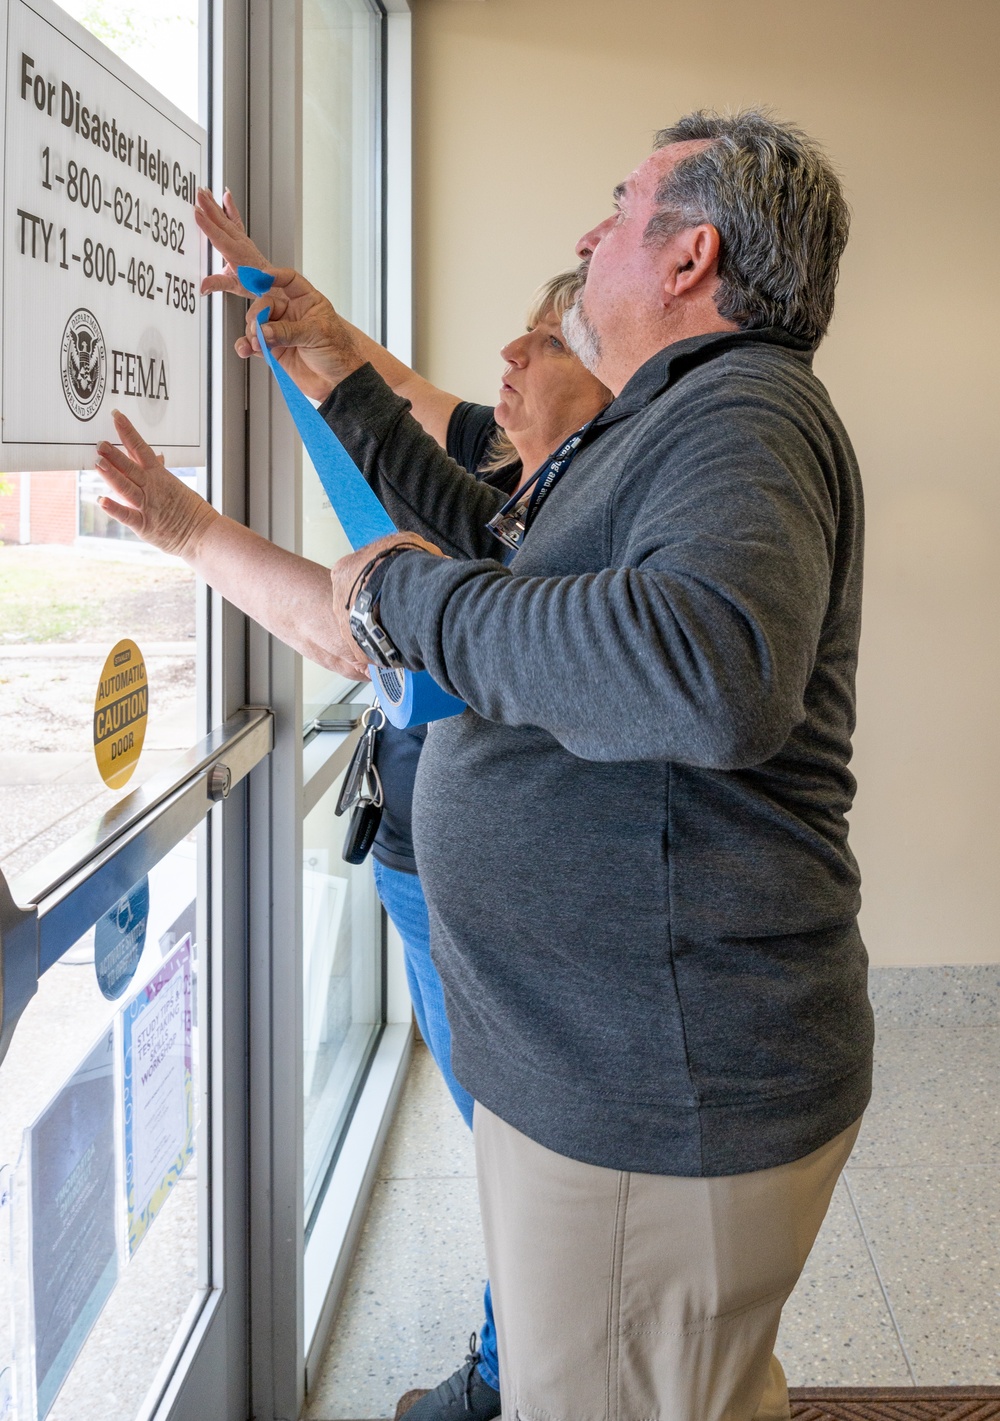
879 1403
898 1403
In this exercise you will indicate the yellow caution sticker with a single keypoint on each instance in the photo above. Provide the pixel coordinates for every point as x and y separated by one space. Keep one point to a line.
120 713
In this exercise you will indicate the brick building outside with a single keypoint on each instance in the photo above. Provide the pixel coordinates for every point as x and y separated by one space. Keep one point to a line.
41 507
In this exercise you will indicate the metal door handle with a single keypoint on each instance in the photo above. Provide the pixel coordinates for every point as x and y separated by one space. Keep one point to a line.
41 913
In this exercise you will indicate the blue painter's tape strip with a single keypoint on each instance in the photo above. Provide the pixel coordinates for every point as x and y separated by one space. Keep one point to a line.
361 515
407 697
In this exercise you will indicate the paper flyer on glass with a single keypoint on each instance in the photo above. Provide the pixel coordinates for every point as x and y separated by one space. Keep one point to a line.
158 1091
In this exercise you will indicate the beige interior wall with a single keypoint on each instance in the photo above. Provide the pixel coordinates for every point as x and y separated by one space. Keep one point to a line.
528 112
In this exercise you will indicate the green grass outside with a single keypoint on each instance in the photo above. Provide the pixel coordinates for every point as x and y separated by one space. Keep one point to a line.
60 594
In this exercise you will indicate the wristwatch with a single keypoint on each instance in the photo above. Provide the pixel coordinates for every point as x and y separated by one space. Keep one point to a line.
366 629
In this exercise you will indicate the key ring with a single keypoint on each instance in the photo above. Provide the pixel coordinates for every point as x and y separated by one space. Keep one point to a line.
366 724
371 773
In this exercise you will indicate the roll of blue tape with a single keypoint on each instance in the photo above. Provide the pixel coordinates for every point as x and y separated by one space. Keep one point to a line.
412 697
407 697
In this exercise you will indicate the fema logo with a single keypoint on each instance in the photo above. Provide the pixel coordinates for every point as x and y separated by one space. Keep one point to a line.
84 364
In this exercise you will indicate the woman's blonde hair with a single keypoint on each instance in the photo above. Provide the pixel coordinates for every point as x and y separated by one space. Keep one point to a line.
556 295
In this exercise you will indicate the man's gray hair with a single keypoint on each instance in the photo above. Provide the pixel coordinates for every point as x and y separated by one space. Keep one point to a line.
777 204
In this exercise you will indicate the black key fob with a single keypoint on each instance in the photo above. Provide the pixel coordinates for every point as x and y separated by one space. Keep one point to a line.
361 831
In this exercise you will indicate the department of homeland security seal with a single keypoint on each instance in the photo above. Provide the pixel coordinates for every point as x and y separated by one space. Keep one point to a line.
84 364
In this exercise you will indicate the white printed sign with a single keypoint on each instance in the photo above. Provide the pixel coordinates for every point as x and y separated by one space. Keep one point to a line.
159 1090
101 258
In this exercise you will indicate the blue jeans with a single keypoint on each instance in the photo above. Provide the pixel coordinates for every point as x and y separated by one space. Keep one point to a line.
403 899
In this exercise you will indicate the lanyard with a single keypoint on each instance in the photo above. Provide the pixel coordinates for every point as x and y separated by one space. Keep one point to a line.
514 519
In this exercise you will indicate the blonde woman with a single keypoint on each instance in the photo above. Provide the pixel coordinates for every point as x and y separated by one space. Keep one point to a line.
545 395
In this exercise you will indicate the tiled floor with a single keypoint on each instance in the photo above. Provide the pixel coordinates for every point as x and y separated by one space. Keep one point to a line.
902 1287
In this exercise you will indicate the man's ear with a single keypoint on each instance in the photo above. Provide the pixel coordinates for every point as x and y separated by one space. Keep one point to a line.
694 259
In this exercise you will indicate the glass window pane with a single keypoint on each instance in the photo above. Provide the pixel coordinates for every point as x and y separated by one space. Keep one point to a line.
341 215
73 583
340 208
341 255
341 987
65 607
98 1131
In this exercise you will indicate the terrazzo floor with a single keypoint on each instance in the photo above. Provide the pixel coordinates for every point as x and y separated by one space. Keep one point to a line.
902 1287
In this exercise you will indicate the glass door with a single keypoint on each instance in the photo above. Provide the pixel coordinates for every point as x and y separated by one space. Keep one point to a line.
199 1042
123 904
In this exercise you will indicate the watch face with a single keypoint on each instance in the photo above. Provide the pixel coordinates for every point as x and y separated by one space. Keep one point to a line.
360 633
370 637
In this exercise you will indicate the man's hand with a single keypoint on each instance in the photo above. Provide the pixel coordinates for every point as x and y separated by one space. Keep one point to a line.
304 334
153 501
344 576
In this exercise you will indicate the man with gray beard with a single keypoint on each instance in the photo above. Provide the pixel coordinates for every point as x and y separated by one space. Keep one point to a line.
664 1022
666 1028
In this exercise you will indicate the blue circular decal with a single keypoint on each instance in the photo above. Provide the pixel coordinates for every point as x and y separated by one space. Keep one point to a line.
119 939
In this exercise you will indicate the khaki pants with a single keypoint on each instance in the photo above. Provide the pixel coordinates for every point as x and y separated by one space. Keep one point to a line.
628 1297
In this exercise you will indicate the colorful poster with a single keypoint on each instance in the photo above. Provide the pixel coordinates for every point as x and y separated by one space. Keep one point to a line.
159 1090
73 1246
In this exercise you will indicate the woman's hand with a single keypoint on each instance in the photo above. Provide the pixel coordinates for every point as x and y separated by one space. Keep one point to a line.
153 502
223 226
304 334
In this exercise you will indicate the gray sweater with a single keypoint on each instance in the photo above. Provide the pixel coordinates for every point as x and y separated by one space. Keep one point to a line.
634 842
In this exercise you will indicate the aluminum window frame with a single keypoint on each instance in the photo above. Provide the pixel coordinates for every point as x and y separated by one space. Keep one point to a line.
295 1286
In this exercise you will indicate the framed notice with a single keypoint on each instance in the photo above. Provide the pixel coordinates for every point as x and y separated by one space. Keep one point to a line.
101 259
159 1091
